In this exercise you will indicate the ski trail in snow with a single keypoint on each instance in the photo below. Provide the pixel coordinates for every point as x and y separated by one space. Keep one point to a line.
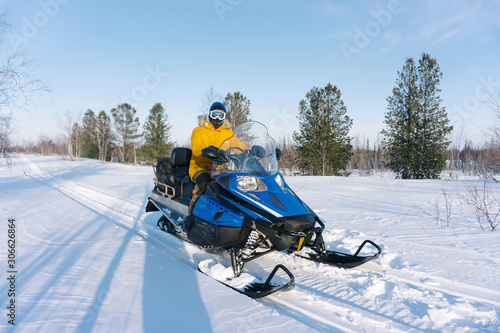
346 297
422 242
103 204
299 310
338 315
109 194
318 298
427 281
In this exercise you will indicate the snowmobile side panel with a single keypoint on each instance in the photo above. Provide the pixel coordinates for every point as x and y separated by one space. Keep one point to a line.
212 211
169 206
269 204
208 234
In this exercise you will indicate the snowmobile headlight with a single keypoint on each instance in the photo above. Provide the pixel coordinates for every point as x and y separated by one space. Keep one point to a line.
280 181
247 183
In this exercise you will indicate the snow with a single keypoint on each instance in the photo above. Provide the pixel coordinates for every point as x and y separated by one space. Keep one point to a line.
89 259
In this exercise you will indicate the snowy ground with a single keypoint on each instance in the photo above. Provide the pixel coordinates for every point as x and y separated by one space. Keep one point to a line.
89 259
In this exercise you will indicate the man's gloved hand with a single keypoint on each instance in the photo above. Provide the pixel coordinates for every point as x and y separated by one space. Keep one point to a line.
215 154
278 154
258 151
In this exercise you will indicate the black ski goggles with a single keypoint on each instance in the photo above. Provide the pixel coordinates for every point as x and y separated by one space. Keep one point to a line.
217 114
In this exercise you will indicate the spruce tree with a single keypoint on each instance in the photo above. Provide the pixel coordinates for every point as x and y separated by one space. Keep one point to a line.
323 144
156 135
127 127
237 107
417 124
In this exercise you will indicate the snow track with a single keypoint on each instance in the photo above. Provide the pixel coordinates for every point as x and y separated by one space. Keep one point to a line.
105 203
384 296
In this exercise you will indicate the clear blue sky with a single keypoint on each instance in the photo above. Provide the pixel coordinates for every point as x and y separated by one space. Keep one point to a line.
97 54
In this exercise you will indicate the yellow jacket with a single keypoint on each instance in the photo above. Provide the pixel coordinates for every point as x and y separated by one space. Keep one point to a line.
203 136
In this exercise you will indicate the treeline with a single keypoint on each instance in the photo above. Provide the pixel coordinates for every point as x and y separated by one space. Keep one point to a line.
115 136
414 144
369 159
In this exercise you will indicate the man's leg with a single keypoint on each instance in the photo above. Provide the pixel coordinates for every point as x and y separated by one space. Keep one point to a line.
201 180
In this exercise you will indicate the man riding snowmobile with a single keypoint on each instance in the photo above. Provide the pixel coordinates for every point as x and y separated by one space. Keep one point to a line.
213 130
247 208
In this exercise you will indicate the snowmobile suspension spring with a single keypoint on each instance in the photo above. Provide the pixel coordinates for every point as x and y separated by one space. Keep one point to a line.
252 237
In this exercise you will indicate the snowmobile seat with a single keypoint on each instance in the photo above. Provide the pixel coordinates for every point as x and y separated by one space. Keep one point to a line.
162 169
179 176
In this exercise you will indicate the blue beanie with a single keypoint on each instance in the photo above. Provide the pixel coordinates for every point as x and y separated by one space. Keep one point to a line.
218 106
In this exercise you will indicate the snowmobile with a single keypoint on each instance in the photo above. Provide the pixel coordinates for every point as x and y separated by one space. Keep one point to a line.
248 210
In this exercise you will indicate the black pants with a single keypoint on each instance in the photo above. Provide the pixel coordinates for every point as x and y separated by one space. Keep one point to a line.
201 180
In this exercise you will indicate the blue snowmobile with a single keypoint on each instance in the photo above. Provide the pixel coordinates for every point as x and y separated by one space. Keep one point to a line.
248 210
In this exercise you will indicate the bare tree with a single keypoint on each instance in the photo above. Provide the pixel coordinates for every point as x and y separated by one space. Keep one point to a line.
484 200
77 140
6 130
210 97
17 86
492 100
453 152
46 144
66 123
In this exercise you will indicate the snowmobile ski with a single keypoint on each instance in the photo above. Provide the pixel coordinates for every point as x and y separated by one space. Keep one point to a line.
341 259
245 283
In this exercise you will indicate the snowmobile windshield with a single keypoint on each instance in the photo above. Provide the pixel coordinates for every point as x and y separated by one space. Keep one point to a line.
250 151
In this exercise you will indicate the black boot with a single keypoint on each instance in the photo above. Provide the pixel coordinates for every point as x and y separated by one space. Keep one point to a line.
186 226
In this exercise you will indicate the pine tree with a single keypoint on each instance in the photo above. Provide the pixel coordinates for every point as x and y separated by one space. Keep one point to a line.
417 125
238 108
323 144
126 126
156 135
90 147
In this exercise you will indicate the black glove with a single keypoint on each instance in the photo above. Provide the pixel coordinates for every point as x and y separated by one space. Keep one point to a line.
258 151
278 154
215 154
